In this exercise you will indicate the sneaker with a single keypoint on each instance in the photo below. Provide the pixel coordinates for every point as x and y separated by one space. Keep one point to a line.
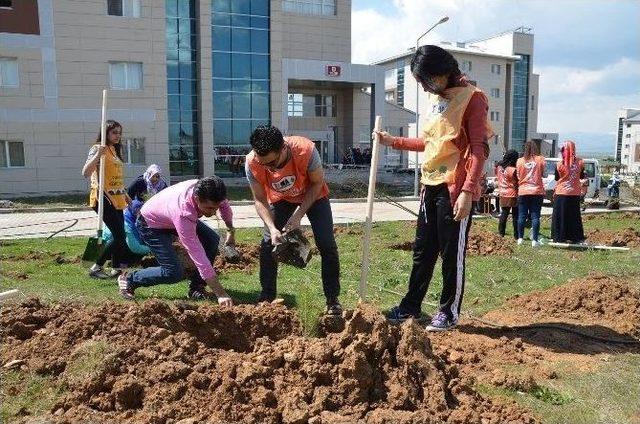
520 241
126 291
101 274
197 294
397 315
535 243
334 308
441 322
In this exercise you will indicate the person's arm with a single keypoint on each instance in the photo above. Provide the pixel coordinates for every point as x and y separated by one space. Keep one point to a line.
557 174
316 182
136 188
476 128
400 143
93 160
227 216
135 245
186 229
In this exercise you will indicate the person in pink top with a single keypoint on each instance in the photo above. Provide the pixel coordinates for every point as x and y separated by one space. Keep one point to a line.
176 211
530 168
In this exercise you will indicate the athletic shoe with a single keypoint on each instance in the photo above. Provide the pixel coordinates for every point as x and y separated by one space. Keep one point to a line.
197 294
441 322
334 308
397 315
520 241
535 243
126 291
101 274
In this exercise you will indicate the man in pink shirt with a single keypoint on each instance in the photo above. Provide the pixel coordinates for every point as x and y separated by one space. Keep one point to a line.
175 211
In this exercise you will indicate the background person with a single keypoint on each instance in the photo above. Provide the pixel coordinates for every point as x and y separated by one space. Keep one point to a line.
287 182
115 199
455 148
566 223
147 184
176 211
507 180
531 192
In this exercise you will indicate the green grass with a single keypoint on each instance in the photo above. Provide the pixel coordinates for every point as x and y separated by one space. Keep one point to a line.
602 396
24 394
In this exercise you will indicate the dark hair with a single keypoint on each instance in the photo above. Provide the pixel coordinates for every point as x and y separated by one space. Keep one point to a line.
211 188
111 125
431 61
530 149
265 139
509 159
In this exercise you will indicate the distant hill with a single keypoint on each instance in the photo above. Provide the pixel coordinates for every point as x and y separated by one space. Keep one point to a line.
592 144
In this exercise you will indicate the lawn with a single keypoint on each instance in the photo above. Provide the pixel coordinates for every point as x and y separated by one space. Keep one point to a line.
50 270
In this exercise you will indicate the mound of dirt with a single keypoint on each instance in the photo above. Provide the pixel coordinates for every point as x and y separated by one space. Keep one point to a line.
629 237
482 243
597 299
249 256
349 230
156 363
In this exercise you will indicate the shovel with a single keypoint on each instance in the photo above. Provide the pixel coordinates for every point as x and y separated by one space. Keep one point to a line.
95 245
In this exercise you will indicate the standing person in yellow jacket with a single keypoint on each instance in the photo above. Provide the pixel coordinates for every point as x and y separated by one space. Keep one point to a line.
115 199
455 146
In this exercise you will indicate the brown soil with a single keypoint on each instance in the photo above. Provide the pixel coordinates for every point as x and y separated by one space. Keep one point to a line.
481 243
629 237
625 215
349 230
155 363
249 256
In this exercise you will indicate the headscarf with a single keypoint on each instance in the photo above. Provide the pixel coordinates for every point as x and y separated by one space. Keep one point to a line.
130 215
568 151
159 185
509 159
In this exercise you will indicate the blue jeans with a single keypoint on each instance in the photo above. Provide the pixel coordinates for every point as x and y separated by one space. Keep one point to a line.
529 204
170 270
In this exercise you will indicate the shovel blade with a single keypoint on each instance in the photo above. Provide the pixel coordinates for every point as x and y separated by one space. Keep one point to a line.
92 251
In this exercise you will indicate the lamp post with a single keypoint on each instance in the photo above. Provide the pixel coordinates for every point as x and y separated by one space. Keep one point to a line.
416 178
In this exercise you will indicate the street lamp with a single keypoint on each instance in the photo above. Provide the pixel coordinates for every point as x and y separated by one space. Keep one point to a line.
416 178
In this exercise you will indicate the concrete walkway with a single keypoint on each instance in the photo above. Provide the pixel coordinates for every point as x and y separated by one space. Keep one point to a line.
43 224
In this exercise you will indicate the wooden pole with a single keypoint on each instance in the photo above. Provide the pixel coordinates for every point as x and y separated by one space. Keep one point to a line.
103 142
367 224
587 247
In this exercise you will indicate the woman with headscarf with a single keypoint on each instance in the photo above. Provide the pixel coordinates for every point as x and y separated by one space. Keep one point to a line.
566 224
147 184
507 179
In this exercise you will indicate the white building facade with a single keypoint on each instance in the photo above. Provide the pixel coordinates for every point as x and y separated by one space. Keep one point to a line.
628 140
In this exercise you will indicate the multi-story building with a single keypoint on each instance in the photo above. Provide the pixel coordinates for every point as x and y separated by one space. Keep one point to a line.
628 140
188 80
502 67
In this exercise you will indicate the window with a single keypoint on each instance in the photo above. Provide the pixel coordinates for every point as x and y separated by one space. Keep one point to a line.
125 75
11 154
310 7
133 151
390 96
628 125
465 66
295 105
628 136
128 8
495 92
5 4
495 116
325 105
495 69
533 102
9 72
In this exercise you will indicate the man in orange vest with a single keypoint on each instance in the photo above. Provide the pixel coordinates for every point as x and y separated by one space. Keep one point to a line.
287 183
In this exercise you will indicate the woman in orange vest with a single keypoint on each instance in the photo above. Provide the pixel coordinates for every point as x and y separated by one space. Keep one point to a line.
115 199
507 179
566 224
455 149
529 169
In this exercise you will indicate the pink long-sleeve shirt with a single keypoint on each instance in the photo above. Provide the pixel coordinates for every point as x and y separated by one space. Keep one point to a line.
174 208
473 137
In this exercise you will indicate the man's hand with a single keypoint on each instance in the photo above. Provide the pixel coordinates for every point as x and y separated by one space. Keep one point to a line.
293 222
276 236
231 237
223 298
385 139
462 206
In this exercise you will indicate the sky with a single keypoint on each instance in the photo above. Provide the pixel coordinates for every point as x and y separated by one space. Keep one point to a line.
587 52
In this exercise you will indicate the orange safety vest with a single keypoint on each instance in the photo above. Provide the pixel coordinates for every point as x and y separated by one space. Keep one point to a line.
569 183
530 176
442 128
507 184
291 181
114 187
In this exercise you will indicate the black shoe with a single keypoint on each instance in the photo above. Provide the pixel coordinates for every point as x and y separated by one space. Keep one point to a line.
198 294
334 308
265 299
397 315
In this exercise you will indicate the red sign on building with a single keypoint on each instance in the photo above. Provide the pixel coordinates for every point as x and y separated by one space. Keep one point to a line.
333 70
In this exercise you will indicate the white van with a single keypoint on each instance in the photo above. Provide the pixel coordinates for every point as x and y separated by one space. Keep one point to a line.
591 169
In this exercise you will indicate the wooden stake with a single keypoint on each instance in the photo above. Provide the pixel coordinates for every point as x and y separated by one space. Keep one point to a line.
368 221
587 247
